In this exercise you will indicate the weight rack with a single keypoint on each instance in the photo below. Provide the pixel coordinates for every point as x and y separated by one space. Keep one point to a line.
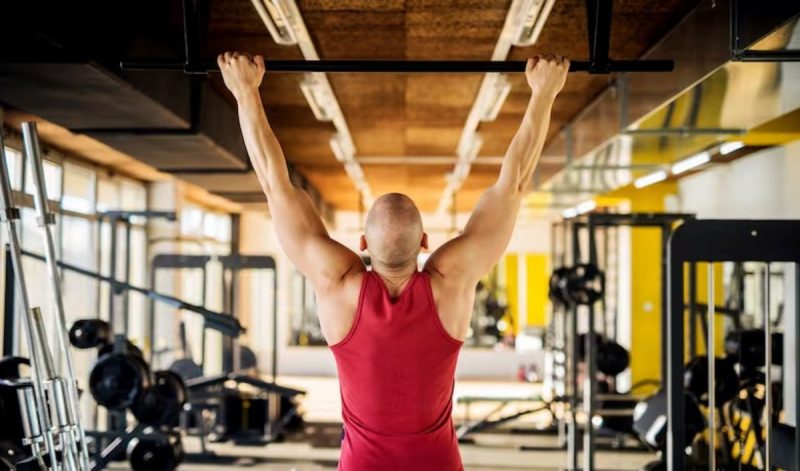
663 221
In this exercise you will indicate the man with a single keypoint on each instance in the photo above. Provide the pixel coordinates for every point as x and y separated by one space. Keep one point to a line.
395 332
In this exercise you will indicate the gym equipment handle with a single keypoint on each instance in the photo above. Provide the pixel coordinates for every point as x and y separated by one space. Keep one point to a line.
400 66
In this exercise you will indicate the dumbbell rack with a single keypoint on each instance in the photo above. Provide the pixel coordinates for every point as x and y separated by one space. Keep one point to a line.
715 241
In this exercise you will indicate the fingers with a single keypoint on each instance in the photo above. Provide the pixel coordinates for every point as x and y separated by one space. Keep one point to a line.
531 64
230 57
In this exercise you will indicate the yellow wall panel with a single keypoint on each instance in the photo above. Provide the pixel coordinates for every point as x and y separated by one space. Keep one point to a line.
511 265
537 274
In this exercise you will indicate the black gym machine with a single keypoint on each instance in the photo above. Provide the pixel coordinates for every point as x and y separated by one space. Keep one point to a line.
716 241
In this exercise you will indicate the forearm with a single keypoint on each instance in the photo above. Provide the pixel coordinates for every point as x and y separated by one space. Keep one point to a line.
263 147
287 203
526 146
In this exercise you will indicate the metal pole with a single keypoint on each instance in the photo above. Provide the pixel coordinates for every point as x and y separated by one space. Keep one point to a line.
796 365
401 66
9 339
112 274
572 435
589 385
767 372
692 309
126 293
666 231
45 219
712 387
10 215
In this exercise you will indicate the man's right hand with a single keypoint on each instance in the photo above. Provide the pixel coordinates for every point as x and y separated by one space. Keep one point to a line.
546 74
241 73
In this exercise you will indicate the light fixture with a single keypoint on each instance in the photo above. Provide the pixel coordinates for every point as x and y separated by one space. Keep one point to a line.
469 152
354 170
343 148
650 179
569 213
318 98
729 147
578 209
492 102
691 162
534 15
585 207
273 15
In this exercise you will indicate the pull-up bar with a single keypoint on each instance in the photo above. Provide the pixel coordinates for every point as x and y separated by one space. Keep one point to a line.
405 66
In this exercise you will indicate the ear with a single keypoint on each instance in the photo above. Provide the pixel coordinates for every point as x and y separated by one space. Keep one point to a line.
424 242
362 243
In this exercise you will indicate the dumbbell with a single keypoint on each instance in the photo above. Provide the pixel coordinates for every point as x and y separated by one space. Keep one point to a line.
161 403
90 333
726 381
650 420
747 348
155 452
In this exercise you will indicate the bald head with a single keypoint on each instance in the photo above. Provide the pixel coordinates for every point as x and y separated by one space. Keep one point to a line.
393 230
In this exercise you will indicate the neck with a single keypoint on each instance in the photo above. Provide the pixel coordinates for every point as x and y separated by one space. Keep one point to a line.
395 273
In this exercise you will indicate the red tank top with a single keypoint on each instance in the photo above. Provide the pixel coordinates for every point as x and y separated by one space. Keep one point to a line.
396 373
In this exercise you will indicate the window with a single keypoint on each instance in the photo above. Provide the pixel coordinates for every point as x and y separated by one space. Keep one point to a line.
79 191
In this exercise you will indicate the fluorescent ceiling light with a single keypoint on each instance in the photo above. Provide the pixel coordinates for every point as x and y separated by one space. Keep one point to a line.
650 178
273 15
569 213
535 13
342 147
729 147
492 102
469 152
691 162
585 207
354 170
320 102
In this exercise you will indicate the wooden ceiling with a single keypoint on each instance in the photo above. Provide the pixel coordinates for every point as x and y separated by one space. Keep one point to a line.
420 115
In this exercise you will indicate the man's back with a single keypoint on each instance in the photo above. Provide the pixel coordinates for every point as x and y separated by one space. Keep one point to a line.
396 369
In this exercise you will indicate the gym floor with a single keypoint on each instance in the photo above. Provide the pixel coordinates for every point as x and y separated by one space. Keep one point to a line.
491 451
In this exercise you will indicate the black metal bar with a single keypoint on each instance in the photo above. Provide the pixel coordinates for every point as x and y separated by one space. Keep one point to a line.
692 307
674 380
796 365
788 55
401 66
223 323
666 232
191 37
598 14
9 312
